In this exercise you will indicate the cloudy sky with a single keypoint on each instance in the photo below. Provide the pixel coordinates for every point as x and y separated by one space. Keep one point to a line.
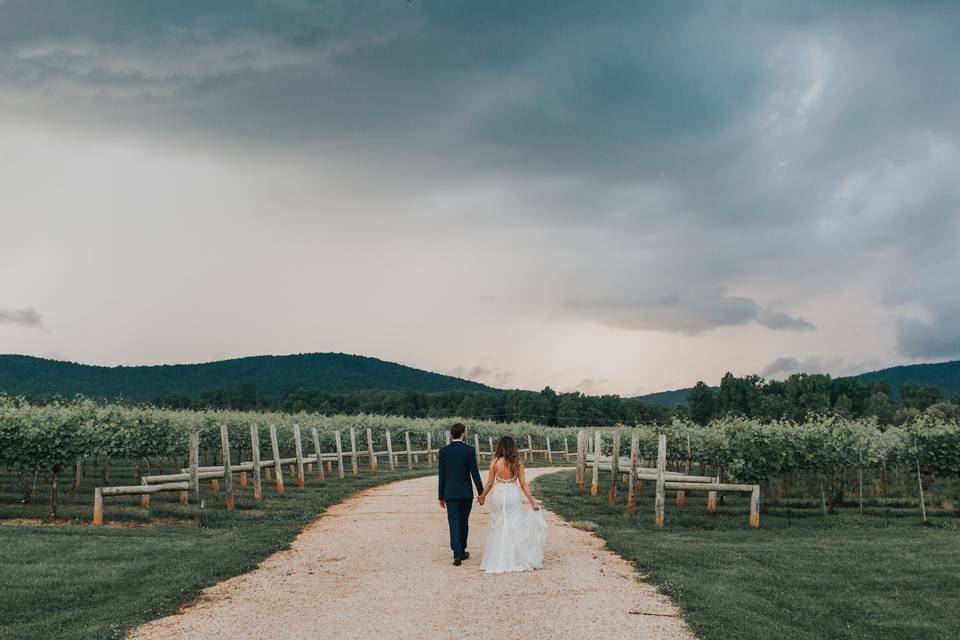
610 197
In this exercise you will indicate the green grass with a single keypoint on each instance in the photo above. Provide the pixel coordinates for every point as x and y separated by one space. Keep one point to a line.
74 581
800 576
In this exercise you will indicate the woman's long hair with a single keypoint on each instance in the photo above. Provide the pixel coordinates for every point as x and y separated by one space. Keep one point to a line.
507 451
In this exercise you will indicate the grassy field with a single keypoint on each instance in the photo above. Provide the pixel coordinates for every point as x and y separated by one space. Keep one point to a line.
801 576
70 580
75 581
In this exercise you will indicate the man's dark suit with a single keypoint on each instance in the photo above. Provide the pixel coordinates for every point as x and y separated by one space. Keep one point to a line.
458 463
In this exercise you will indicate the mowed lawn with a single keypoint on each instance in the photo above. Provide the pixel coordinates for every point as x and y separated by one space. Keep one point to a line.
798 577
71 581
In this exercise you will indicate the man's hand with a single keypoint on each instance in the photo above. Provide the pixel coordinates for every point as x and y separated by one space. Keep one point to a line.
443 504
481 500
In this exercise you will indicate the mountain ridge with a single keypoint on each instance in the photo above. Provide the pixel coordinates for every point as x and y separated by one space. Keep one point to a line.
271 376
943 375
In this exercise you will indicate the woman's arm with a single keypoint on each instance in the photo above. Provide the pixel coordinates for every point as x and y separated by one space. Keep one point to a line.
489 485
526 490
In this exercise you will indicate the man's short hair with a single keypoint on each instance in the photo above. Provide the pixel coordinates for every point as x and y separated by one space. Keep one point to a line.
457 430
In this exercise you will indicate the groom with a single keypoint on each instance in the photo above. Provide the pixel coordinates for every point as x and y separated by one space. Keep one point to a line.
458 464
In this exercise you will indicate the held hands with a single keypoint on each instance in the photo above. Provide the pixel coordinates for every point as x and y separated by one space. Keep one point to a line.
443 504
481 499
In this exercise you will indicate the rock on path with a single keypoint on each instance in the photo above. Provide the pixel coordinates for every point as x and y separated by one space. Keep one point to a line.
378 565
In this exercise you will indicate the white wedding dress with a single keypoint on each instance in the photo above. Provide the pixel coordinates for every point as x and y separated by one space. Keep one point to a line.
517 532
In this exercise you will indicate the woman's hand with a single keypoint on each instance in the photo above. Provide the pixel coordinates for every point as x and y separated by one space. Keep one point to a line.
534 505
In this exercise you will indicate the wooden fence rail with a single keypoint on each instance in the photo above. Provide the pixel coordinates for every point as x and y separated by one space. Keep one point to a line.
673 480
187 480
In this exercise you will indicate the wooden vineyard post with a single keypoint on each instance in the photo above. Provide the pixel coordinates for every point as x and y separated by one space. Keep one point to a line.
581 458
215 485
429 450
595 482
391 461
340 470
227 472
755 507
406 435
195 475
446 437
144 498
681 498
711 502
631 483
372 458
98 507
316 450
661 467
267 474
255 455
614 467
243 478
490 438
923 504
184 498
529 447
353 451
277 466
298 452
549 451
77 469
476 447
860 475
566 450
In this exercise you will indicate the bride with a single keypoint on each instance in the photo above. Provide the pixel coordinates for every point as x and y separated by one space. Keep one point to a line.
517 530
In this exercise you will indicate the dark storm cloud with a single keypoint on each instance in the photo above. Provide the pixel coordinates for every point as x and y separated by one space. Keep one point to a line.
780 151
786 365
784 321
936 339
690 313
26 317
487 371
781 366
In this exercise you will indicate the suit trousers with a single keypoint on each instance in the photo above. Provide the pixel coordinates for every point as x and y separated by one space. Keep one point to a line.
458 515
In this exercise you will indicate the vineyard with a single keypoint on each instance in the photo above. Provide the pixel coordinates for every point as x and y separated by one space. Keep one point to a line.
67 444
824 463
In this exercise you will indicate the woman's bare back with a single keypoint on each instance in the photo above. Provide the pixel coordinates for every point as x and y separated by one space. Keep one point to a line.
503 472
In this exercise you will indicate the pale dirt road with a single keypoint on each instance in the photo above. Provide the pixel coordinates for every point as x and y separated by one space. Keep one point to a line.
379 566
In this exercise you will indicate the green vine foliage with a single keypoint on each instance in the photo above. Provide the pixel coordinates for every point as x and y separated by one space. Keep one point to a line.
51 437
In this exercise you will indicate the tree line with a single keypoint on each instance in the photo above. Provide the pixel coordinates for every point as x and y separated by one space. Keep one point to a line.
795 398
545 407
803 394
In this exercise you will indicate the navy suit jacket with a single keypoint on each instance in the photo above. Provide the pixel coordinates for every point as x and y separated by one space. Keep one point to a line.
458 463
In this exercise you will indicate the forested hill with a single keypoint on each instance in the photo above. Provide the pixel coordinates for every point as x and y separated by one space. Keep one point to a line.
943 375
666 398
269 377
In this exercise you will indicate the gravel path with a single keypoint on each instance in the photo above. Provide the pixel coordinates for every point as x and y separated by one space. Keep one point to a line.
379 565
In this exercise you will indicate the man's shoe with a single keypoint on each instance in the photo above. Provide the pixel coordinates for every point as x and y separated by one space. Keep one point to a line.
457 561
466 555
